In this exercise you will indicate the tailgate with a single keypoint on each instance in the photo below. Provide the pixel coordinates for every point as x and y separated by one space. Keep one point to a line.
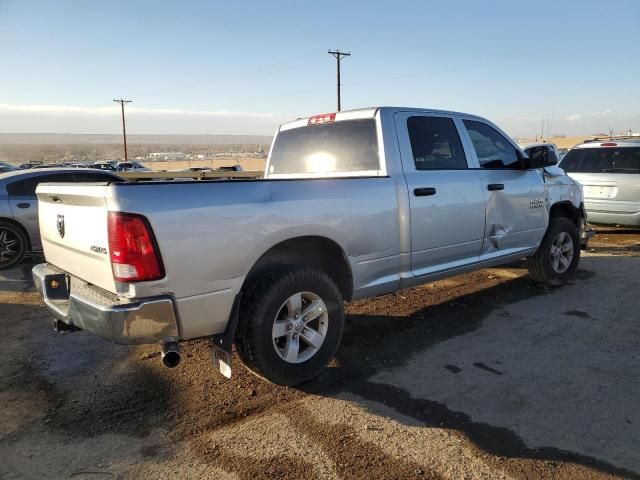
597 186
73 226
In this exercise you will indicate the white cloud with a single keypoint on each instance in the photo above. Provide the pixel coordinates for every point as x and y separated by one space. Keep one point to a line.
80 119
578 116
131 109
605 113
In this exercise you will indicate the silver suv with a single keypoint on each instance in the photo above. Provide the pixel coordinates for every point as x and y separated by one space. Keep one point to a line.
609 172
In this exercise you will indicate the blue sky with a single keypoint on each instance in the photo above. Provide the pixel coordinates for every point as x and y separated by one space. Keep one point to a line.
243 67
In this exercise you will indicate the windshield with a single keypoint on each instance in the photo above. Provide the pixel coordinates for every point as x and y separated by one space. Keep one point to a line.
602 160
331 149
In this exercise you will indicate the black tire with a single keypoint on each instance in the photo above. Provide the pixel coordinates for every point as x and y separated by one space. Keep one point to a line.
261 304
540 264
13 245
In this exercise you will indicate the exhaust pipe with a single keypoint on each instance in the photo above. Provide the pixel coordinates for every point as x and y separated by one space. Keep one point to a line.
170 354
62 327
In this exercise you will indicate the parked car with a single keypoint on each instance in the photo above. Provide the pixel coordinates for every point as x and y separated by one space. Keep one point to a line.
6 167
196 169
47 165
131 167
19 231
353 204
609 172
29 164
79 165
230 168
108 166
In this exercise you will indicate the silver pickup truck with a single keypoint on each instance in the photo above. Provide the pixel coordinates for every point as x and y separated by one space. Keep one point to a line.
352 205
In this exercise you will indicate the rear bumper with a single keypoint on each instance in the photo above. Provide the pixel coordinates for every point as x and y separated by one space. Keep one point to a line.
84 306
613 213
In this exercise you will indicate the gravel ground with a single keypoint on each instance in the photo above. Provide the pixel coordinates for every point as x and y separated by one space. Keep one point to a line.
479 376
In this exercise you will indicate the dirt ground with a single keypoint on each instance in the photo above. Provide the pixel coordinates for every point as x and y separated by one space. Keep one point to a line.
480 376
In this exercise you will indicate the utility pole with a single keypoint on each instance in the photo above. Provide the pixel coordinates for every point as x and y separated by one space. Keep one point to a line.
338 56
122 103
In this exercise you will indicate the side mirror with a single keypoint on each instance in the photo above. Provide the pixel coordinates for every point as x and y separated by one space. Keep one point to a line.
539 157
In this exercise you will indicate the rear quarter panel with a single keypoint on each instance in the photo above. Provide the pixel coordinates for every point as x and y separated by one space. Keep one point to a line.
5 209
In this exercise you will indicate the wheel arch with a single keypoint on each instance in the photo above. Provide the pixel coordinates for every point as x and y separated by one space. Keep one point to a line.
17 224
568 210
311 251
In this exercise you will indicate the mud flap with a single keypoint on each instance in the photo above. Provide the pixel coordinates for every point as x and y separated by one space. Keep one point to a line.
222 361
222 344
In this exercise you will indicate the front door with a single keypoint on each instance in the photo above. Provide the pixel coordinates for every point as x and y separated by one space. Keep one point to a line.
445 195
516 216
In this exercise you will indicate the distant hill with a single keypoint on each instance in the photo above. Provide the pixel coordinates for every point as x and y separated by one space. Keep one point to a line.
101 139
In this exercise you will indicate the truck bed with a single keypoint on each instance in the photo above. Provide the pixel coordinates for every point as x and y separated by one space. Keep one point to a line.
210 233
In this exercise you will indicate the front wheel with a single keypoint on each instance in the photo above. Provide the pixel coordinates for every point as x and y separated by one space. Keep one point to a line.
13 245
291 324
558 255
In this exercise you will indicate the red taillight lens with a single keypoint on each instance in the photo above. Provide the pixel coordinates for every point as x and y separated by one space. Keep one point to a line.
320 119
609 144
134 253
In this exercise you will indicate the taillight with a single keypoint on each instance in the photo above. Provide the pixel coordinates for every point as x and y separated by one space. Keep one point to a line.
133 250
609 144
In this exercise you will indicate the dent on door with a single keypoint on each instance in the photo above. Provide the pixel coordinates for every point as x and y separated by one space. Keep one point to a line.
515 216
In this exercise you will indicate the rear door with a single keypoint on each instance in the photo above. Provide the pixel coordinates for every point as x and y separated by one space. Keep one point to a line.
24 203
516 217
445 195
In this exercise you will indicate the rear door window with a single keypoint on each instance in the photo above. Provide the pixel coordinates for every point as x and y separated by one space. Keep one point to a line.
93 177
492 148
602 160
27 186
435 144
343 147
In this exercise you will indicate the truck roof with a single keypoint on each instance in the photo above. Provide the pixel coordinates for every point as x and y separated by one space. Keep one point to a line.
368 112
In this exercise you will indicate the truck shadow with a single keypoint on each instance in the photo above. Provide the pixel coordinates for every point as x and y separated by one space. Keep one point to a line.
530 388
17 279
81 384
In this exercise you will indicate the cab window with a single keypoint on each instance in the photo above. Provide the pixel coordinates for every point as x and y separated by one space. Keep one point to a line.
492 148
435 144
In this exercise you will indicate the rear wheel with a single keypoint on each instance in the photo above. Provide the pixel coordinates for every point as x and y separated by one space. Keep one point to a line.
558 255
13 245
291 324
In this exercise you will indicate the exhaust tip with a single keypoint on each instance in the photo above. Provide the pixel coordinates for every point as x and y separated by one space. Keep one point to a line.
171 355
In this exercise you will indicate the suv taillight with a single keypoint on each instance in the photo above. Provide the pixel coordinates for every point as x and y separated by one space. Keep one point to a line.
133 249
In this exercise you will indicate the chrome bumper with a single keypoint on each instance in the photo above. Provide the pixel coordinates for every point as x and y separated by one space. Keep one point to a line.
84 306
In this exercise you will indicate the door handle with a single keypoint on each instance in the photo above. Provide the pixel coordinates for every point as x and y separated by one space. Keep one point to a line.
424 192
24 205
495 186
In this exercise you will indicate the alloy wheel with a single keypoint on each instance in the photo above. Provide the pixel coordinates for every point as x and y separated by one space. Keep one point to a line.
561 252
300 327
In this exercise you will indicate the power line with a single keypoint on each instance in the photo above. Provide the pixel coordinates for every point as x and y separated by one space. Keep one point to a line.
122 103
339 56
